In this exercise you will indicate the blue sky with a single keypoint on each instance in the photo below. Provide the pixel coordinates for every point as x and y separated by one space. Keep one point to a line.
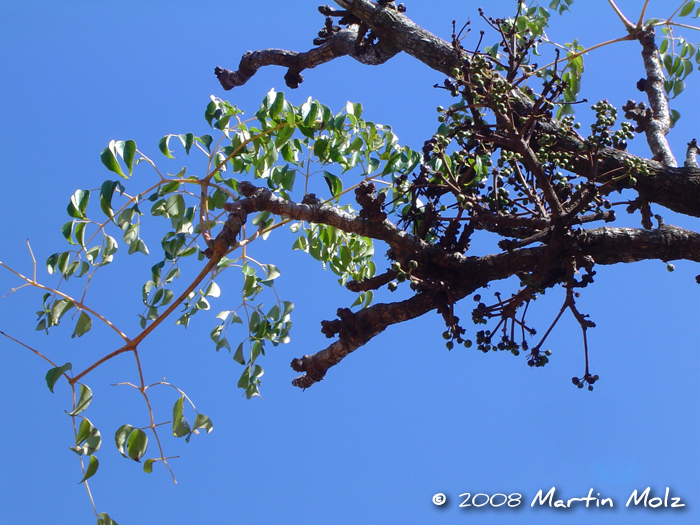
399 420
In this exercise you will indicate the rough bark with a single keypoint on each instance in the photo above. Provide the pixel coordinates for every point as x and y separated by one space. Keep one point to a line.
677 189
461 275
656 128
443 273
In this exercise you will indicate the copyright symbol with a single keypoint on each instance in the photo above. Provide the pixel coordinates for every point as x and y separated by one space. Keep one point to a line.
439 498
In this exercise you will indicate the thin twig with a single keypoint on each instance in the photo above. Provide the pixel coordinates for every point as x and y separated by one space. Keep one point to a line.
74 301
627 23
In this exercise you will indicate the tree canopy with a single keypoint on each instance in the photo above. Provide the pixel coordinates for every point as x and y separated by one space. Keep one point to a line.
523 189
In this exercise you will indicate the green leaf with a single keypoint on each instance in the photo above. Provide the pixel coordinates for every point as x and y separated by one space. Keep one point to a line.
353 109
167 296
80 233
78 204
238 355
110 249
277 105
676 65
254 322
675 115
175 206
687 9
148 466
260 218
83 325
678 87
223 315
177 416
128 152
172 275
137 444
59 308
206 140
141 247
109 159
123 149
84 400
92 468
664 46
272 272
320 147
104 519
393 163
202 421
288 307
372 165
309 112
252 391
121 436
106 193
67 231
83 431
163 146
687 68
187 141
668 64
212 290
335 185
88 440
283 135
53 375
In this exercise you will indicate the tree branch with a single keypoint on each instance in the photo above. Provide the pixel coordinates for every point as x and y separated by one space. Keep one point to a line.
677 189
344 42
690 156
605 245
656 128
454 275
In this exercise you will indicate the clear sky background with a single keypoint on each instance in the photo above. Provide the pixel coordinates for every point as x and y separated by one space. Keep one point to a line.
399 420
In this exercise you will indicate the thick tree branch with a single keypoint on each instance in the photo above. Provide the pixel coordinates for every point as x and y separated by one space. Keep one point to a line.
344 42
259 199
355 330
675 188
605 245
456 275
441 274
656 128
